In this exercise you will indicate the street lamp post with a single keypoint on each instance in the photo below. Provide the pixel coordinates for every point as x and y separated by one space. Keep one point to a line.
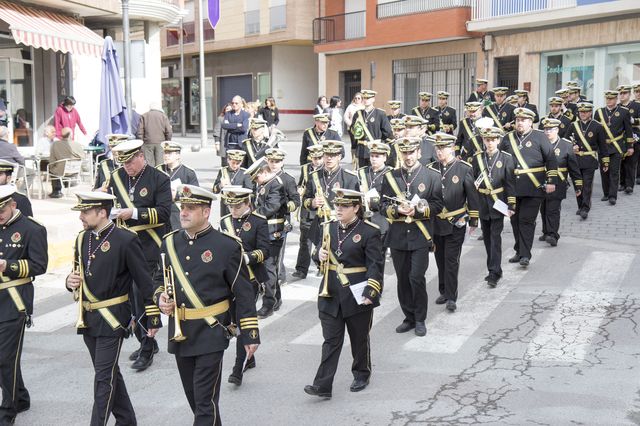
183 112
127 58
203 105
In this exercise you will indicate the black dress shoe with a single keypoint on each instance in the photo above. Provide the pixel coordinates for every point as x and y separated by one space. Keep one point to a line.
493 280
299 274
584 214
358 384
250 364
620 188
481 237
514 259
578 212
421 329
604 198
551 240
638 181
524 261
451 305
264 312
134 355
236 380
628 190
612 201
318 273
487 277
404 327
22 407
56 195
315 391
441 300
142 363
542 237
277 305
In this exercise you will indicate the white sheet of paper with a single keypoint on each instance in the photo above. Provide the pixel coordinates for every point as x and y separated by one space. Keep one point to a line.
501 206
372 193
114 213
356 290
175 183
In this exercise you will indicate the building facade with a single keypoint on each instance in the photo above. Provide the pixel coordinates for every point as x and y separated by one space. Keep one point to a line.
259 49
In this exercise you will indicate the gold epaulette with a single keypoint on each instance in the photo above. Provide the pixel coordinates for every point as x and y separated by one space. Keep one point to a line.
234 237
371 224
168 233
351 172
258 215
35 221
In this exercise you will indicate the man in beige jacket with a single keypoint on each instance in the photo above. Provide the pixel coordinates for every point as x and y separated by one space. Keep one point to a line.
154 128
65 148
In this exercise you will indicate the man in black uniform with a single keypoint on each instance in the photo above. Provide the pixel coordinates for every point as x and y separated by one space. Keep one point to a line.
568 108
270 202
616 123
143 205
275 159
588 142
481 94
574 93
368 124
417 128
493 170
316 135
447 114
231 174
567 166
318 195
427 113
23 257
351 254
252 229
411 197
107 260
555 112
468 142
371 178
257 144
450 225
306 215
534 160
523 102
636 126
394 106
22 201
630 162
106 166
178 173
501 112
399 129
209 278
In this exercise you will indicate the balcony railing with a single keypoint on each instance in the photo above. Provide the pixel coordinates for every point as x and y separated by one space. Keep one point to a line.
278 17
407 7
346 26
491 9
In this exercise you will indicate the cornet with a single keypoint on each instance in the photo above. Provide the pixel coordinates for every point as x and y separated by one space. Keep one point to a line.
169 288
324 264
77 295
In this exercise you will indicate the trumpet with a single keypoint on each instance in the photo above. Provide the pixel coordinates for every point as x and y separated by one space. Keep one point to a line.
326 210
324 264
77 295
420 205
367 208
169 287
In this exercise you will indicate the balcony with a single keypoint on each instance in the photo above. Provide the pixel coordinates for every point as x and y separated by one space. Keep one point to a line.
347 26
161 11
498 15
409 7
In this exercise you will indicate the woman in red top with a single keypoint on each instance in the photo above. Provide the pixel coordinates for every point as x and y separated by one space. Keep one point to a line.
67 116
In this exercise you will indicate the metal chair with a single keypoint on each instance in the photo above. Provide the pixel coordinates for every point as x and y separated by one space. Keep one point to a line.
70 172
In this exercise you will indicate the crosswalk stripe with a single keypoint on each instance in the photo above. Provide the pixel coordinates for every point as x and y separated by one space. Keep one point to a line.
54 320
566 334
448 332
293 295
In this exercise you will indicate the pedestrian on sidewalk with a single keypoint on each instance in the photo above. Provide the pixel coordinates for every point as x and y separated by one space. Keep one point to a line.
153 129
270 113
236 124
335 115
67 115
64 149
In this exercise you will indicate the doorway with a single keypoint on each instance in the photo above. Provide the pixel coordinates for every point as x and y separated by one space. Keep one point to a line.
16 100
508 72
351 84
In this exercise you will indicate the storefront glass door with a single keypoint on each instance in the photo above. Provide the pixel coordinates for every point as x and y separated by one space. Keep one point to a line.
16 100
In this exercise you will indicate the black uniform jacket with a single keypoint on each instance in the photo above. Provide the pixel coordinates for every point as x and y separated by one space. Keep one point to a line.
305 170
253 230
469 142
634 113
361 248
208 270
617 128
498 182
117 261
152 198
533 108
369 126
430 114
187 176
23 204
459 195
255 150
448 118
427 151
23 245
312 137
589 137
424 182
103 174
501 115
292 197
567 166
238 177
571 111
370 180
271 203
563 129
487 96
533 160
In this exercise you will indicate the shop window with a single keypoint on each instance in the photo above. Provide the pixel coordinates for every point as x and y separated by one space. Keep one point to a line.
264 86
622 65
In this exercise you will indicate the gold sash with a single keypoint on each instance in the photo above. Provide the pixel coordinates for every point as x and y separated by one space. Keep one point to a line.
518 154
486 180
612 139
586 144
495 118
472 136
360 118
400 195
228 225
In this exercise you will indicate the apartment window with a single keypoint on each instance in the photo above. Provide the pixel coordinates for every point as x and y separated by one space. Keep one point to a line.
173 37
278 15
252 17
189 32
209 32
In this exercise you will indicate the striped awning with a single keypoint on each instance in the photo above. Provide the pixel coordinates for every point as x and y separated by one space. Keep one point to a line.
47 30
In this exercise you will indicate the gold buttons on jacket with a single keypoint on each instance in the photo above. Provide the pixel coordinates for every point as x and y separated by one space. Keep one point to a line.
188 257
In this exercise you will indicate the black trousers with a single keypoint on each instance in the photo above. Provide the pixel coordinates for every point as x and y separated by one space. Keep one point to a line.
14 394
147 343
584 199
304 251
550 213
447 254
358 327
523 223
200 376
629 168
272 287
109 391
411 267
282 271
611 177
492 239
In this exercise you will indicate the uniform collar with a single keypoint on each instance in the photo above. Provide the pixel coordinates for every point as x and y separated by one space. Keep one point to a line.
100 231
244 215
14 218
349 225
198 234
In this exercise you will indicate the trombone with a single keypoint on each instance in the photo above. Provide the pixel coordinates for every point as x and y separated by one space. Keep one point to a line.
169 287
324 264
77 295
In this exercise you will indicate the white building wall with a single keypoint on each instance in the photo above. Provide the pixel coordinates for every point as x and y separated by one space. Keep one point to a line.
86 71
294 80
146 90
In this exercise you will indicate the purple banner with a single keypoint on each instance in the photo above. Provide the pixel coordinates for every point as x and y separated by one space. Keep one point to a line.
214 12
